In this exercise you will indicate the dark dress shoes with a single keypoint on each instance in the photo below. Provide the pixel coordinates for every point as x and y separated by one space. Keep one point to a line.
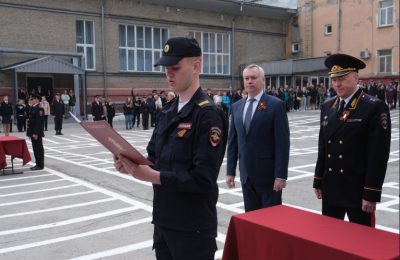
36 168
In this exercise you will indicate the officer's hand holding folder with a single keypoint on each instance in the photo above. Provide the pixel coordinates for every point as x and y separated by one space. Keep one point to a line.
110 139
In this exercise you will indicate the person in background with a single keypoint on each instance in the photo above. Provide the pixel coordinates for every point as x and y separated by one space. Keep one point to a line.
128 113
97 109
110 112
21 113
226 103
58 111
353 146
170 96
65 99
104 107
145 109
187 149
259 140
6 112
158 105
35 131
137 102
72 102
218 99
46 111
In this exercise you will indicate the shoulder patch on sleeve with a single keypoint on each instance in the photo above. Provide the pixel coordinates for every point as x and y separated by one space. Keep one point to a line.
215 136
384 120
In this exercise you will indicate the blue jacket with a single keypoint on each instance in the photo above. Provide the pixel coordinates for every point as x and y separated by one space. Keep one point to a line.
263 153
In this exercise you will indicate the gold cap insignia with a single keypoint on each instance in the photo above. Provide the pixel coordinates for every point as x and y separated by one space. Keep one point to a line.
166 48
337 69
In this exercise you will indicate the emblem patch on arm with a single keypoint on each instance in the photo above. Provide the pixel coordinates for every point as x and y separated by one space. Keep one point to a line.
215 136
384 120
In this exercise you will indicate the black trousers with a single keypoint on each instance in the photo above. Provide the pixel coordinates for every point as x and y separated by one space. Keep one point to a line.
355 215
21 123
145 120
58 123
45 120
182 245
38 151
256 199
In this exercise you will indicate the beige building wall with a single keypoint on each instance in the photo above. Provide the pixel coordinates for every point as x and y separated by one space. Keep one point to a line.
356 30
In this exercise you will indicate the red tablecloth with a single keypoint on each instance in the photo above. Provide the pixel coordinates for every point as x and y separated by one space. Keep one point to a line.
14 146
283 232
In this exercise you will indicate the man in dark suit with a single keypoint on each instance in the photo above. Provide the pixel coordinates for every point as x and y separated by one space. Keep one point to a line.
259 139
35 131
353 147
97 109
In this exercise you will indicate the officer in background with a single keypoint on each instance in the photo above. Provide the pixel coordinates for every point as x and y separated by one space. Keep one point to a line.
187 148
58 112
97 109
35 131
353 148
20 111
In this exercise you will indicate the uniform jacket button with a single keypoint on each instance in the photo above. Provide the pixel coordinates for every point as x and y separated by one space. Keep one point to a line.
329 155
330 169
340 142
329 141
341 170
340 156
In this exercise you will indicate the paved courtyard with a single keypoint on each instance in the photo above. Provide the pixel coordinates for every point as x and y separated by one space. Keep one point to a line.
79 207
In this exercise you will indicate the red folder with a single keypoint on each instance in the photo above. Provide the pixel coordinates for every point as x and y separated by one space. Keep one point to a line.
114 142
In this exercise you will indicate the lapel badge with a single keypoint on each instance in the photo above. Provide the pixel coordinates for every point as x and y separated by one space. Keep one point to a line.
345 114
181 133
215 136
261 105
325 121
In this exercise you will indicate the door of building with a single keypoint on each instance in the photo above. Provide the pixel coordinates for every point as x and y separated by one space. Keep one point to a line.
44 85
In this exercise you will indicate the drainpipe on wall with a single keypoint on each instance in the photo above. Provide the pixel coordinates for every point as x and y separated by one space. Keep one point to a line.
103 53
339 27
232 53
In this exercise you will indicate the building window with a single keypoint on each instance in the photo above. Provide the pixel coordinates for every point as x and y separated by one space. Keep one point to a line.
85 42
295 47
385 61
216 52
328 29
140 47
386 13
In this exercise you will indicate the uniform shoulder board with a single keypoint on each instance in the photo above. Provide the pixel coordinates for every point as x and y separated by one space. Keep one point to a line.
370 98
203 103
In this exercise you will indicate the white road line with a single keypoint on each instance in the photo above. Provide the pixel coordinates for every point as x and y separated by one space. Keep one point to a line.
57 208
29 184
27 177
116 251
36 191
69 221
47 198
81 235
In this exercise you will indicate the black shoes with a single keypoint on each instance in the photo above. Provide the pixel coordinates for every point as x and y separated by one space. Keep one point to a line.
36 168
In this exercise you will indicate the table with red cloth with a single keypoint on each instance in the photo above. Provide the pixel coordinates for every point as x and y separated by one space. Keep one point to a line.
14 146
283 232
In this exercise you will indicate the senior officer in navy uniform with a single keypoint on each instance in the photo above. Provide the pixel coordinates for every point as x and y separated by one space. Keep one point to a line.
187 148
35 131
353 148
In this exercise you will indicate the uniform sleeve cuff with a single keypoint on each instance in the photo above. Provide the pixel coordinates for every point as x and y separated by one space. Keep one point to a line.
317 183
167 178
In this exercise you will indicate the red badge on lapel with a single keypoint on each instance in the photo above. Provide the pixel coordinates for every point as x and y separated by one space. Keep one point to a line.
261 105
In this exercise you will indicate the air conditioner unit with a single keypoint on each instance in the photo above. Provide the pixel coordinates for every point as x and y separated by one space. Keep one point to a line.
365 54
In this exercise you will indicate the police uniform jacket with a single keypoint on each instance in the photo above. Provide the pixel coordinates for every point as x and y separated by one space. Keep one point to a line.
188 148
35 122
58 108
353 151
20 110
97 110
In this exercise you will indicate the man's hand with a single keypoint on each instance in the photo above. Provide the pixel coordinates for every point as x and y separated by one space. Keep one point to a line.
140 172
230 181
318 193
279 184
35 136
368 206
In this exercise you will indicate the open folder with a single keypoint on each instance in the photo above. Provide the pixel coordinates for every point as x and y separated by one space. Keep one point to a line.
110 139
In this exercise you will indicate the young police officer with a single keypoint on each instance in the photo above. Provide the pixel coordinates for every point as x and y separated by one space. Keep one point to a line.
353 148
35 131
187 149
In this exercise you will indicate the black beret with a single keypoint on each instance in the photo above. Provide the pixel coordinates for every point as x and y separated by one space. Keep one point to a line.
342 64
177 48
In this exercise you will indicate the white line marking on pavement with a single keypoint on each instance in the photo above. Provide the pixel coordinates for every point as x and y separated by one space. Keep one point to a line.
47 198
29 184
57 208
66 238
116 251
69 221
36 191
23 178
